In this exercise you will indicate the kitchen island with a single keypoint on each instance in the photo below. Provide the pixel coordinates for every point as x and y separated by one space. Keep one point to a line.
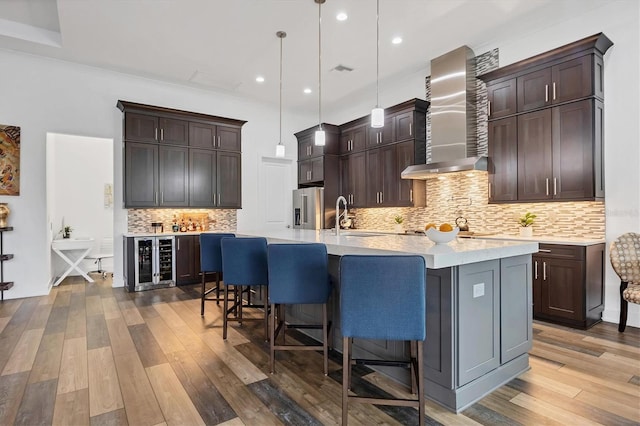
479 308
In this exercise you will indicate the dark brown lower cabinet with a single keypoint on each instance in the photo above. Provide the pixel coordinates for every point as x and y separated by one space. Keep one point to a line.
187 253
568 284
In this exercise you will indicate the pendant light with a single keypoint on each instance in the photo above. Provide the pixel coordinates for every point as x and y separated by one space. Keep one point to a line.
280 146
320 135
377 113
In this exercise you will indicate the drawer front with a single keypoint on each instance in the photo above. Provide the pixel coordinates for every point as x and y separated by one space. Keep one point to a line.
562 251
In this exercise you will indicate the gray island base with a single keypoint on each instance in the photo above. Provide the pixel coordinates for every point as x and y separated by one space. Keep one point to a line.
479 310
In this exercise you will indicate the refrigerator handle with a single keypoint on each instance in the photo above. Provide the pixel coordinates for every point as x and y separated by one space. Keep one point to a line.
305 219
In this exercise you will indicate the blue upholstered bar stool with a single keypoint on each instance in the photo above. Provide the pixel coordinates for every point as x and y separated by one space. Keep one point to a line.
211 262
298 275
244 264
383 298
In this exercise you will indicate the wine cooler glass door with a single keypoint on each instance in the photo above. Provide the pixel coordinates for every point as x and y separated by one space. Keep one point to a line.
144 268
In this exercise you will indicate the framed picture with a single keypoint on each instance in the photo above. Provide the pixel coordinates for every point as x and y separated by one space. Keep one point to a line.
9 160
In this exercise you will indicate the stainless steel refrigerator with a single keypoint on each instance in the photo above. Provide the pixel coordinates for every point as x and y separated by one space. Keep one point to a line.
308 208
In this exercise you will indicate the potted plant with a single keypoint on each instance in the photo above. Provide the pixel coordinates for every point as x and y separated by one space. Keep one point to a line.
66 232
398 224
526 224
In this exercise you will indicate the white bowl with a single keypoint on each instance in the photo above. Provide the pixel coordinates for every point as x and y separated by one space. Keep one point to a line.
440 237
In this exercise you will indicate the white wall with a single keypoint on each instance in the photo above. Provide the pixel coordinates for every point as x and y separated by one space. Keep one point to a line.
80 168
42 95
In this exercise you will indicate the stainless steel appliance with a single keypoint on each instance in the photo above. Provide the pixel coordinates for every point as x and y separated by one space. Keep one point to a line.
308 208
150 263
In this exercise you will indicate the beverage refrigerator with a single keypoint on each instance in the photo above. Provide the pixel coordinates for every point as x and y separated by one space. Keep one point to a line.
150 263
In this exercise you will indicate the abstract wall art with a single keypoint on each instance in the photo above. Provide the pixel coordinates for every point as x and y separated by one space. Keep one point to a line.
9 160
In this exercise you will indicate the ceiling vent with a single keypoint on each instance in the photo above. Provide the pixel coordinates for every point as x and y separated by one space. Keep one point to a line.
342 68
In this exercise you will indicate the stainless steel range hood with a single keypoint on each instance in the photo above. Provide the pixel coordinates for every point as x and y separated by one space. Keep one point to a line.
454 145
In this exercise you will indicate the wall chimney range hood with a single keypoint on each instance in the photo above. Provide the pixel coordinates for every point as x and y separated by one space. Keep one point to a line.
454 144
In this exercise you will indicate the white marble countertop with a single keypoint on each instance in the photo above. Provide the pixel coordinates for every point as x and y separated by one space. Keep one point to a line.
458 252
545 239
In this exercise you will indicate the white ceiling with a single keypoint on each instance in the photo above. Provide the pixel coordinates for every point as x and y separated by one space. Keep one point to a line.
225 44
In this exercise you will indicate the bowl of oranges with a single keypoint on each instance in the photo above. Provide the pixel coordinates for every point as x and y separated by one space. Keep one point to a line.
442 234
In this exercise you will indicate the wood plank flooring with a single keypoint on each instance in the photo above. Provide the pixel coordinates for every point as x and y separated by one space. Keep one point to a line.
88 354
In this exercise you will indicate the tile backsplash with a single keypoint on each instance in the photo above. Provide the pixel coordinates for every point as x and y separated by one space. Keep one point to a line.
462 195
139 220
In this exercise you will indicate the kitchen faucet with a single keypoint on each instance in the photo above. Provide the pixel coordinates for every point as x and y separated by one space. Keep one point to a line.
338 215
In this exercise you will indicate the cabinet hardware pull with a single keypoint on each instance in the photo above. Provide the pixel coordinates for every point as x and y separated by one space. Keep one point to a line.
381 197
219 198
213 197
536 270
411 195
544 251
162 134
489 108
218 141
554 90
547 181
161 197
489 189
544 271
546 93
410 129
155 134
555 186
380 137
178 243
155 197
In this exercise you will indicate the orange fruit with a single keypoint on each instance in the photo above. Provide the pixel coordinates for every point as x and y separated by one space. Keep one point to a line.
430 225
445 227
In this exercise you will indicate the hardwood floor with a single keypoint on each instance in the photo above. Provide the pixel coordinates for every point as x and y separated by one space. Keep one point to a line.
91 354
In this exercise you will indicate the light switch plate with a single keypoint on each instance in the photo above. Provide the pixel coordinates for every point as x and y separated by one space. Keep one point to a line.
478 290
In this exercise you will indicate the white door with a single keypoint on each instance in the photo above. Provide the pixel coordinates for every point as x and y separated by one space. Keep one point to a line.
276 184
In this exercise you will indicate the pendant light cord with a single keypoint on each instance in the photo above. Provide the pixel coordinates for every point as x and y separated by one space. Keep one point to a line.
281 35
377 52
320 65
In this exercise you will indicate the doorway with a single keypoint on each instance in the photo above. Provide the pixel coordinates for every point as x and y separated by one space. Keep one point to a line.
79 171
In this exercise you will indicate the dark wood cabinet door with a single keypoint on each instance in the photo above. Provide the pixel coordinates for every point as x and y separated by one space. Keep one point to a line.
534 90
175 132
503 159
202 177
502 99
173 173
140 127
573 177
185 252
229 138
405 187
381 179
141 175
563 289
229 180
382 135
572 80
403 126
307 147
202 135
534 156
354 139
353 179
317 169
537 284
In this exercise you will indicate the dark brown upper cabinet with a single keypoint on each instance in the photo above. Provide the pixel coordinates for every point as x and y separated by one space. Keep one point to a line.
177 158
557 104
354 139
501 99
382 135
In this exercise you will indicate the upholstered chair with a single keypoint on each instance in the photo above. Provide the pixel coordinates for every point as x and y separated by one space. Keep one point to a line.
383 298
211 263
298 275
625 259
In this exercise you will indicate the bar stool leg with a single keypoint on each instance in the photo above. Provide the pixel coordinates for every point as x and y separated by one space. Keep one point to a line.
266 313
421 408
346 375
225 312
203 295
413 358
272 334
325 338
217 288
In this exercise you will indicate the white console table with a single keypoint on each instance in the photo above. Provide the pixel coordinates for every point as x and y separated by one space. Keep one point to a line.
66 246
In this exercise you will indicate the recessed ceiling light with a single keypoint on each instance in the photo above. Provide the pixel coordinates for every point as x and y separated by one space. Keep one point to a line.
342 16
260 79
307 90
397 40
